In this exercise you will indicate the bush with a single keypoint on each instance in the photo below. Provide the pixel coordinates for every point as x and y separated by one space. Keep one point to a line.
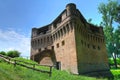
118 61
3 53
13 53
111 61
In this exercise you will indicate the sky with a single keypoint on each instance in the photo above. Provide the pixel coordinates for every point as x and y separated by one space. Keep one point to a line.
18 17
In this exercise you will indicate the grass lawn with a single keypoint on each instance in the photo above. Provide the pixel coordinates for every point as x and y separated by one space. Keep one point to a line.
116 73
9 72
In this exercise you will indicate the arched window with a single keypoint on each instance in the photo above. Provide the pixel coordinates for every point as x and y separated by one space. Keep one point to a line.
51 39
53 36
38 42
71 26
67 26
56 36
98 47
48 39
41 41
61 32
64 30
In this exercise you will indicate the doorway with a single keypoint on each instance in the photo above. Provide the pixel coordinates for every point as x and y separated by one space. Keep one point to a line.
58 65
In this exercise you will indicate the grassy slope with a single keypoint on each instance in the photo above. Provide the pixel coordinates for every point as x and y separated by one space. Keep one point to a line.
9 72
116 73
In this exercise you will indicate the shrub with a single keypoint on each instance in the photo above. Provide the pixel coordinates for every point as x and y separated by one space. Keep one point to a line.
118 61
111 61
3 53
13 53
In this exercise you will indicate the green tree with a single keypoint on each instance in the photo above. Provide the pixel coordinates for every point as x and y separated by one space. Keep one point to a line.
13 53
89 20
109 13
3 53
117 40
117 17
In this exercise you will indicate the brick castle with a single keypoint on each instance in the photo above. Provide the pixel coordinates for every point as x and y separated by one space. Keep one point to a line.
71 43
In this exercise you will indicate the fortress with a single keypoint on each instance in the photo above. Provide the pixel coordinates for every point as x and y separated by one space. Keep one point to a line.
71 43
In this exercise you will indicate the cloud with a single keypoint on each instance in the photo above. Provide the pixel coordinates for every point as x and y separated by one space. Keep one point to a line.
12 40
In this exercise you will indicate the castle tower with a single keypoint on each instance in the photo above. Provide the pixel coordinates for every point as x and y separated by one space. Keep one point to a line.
71 43
71 8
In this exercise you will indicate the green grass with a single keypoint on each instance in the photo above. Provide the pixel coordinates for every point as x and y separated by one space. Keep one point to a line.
116 73
9 72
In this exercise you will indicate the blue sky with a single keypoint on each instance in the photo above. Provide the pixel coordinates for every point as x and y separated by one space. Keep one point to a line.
18 17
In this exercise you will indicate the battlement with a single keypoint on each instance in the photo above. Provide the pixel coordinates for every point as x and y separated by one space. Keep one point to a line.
69 14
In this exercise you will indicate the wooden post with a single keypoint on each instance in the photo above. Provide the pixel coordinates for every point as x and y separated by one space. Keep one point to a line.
8 60
33 65
14 63
50 71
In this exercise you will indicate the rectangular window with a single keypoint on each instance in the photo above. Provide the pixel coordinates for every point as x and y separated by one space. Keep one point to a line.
52 47
63 43
57 45
40 50
98 47
45 48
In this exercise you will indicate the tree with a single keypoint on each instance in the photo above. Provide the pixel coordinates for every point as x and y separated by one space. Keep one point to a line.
117 39
13 53
117 17
89 20
109 13
3 53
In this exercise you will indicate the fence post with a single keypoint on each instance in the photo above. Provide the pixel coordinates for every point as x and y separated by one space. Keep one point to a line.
50 71
8 60
33 65
14 63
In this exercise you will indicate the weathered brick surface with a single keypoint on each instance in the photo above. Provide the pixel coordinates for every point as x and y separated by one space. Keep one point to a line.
77 45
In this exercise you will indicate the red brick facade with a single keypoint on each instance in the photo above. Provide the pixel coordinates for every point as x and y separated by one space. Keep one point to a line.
70 43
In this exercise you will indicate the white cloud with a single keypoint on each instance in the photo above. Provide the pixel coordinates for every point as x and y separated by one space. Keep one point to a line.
12 40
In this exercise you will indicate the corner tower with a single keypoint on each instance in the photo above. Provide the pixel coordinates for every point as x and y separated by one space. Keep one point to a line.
70 8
